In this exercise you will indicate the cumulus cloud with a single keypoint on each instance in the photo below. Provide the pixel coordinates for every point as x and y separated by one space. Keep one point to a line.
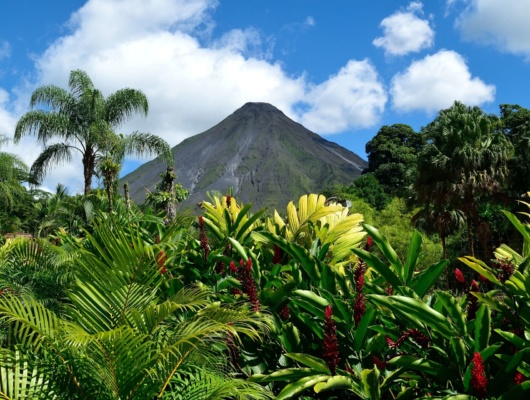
435 82
405 32
501 23
192 82
354 97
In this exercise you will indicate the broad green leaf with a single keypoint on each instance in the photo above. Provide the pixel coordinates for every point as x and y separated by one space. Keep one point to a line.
421 364
405 305
380 267
385 247
425 280
481 268
240 250
299 386
312 297
412 257
370 379
453 309
310 361
338 383
360 333
482 328
287 374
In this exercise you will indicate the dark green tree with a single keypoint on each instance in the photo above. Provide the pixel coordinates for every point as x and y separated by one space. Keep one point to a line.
463 160
515 124
81 120
368 188
392 156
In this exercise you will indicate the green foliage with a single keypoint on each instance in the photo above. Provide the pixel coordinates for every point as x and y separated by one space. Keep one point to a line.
368 188
392 156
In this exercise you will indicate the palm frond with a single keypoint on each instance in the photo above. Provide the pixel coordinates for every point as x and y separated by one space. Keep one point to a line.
123 104
52 155
51 96
79 82
146 144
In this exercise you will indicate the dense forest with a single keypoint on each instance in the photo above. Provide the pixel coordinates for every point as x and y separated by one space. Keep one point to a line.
408 283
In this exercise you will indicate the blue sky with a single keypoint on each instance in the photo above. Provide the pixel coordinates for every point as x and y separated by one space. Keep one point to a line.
342 68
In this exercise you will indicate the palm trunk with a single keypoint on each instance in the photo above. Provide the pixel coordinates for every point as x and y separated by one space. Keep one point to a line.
127 196
169 186
88 169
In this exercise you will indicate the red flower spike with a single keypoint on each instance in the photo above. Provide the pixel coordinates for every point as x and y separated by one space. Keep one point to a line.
249 285
285 313
479 381
389 289
249 264
519 378
203 238
379 363
57 241
369 243
331 344
232 267
157 239
228 201
506 270
359 308
484 279
459 276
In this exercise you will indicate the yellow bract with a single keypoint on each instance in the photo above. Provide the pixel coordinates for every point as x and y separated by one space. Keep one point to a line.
330 223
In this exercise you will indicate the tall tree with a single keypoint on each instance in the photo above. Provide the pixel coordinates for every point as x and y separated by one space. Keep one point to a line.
392 157
81 120
463 160
515 124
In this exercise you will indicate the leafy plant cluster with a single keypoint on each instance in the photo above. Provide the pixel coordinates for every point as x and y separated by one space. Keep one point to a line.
309 302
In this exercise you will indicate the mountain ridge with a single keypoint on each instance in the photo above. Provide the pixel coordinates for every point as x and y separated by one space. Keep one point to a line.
265 156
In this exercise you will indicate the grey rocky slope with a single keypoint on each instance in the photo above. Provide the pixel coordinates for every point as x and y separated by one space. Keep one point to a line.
265 156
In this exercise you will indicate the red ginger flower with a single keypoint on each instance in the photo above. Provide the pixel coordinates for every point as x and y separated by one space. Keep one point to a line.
359 305
359 308
369 243
506 270
161 261
459 276
232 267
479 381
285 313
203 238
422 340
331 345
519 378
248 283
228 201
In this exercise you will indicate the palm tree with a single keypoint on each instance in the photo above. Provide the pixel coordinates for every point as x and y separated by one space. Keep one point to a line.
463 159
13 171
82 120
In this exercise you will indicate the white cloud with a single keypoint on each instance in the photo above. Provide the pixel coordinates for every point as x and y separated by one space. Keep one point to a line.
5 49
155 46
355 97
501 23
435 82
405 32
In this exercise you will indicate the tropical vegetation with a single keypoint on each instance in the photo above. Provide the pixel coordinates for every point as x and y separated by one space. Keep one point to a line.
412 282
